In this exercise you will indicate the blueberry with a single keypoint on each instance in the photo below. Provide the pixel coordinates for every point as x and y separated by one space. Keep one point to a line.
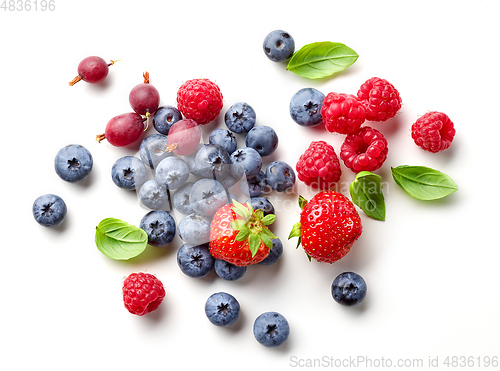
195 261
263 139
153 149
128 172
280 176
207 196
159 226
349 289
261 203
165 117
278 46
172 172
154 195
189 159
256 186
181 199
240 118
194 229
226 178
210 160
275 253
246 161
49 210
224 138
222 309
73 163
228 271
305 107
271 329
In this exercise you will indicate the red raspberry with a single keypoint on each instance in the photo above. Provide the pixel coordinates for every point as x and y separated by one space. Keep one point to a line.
199 100
319 166
142 293
433 132
364 150
381 99
342 113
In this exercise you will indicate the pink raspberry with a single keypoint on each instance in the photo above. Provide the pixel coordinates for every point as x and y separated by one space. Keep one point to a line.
342 113
319 166
199 100
381 99
364 150
433 132
142 293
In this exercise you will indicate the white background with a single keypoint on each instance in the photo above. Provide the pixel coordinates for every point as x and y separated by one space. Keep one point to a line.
431 267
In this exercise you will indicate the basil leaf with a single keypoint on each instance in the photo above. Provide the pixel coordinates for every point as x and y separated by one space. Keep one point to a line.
119 240
321 59
423 182
366 192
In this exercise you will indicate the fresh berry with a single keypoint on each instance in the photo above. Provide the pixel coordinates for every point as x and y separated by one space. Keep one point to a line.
172 172
224 138
239 235
246 161
49 210
153 149
240 118
278 46
222 309
159 226
181 199
144 98
263 139
211 160
275 253
254 187
271 329
142 293
128 172
123 129
189 159
92 70
261 203
226 178
154 195
165 117
195 261
73 163
194 229
228 271
207 196
280 176
342 113
349 289
319 166
200 100
364 150
433 132
305 107
380 98
184 137
329 225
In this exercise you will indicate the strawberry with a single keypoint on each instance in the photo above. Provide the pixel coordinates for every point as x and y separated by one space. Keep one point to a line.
239 234
329 225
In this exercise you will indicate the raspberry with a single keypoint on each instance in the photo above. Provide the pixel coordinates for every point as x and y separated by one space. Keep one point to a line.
381 99
433 132
142 293
342 113
199 100
364 150
319 166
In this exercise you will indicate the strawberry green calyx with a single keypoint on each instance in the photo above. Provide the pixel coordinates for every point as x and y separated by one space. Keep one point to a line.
296 230
253 226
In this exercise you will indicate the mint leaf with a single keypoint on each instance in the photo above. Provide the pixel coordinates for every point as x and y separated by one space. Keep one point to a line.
120 240
423 182
321 59
366 192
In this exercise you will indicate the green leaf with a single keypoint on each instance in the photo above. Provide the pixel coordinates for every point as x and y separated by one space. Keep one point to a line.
253 243
238 224
268 233
423 182
120 240
296 231
302 202
321 59
241 210
366 192
268 219
259 214
243 234
265 238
